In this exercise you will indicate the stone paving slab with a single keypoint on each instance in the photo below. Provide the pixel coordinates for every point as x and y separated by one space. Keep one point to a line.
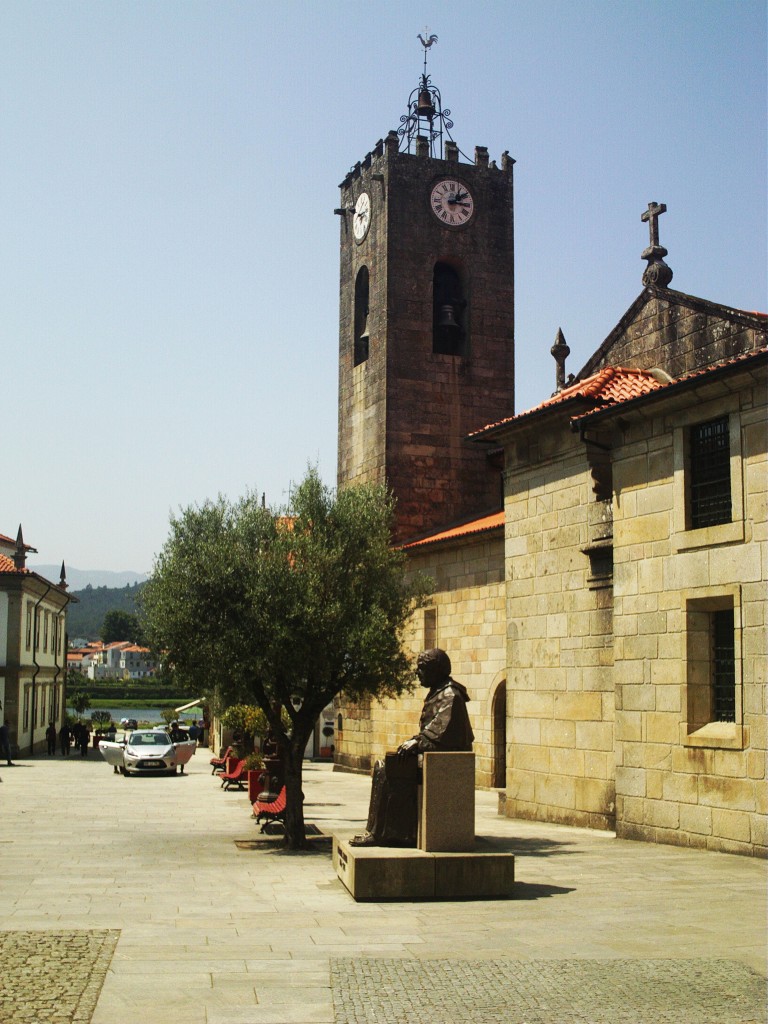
228 935
368 991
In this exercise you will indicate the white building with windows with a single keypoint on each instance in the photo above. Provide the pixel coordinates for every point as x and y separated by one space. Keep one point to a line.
33 655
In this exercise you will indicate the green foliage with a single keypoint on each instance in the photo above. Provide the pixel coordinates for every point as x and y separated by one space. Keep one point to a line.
121 625
85 618
80 701
254 762
285 608
168 715
245 719
100 718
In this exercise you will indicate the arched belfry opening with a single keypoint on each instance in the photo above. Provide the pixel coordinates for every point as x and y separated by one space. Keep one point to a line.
499 736
362 336
449 311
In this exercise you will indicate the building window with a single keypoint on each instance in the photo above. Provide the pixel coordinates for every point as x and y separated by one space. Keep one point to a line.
430 628
708 505
713 670
25 713
362 334
710 468
723 666
29 626
46 620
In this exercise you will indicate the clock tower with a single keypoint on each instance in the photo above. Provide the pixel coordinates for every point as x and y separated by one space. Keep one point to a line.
426 324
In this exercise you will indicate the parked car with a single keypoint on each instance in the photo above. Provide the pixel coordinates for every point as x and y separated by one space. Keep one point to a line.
146 751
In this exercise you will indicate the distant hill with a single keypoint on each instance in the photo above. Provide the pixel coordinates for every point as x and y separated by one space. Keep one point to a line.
86 616
78 579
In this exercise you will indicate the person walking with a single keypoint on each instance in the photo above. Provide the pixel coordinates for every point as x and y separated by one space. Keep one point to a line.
64 740
5 742
85 738
50 737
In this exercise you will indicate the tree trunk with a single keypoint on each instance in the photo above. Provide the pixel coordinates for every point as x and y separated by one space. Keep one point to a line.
295 839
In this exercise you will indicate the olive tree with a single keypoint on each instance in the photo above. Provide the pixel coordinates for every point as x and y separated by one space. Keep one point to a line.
286 608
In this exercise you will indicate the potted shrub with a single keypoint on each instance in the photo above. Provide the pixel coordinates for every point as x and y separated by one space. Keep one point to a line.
254 766
244 720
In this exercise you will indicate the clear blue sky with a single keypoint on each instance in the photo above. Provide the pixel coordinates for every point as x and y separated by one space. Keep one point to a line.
169 278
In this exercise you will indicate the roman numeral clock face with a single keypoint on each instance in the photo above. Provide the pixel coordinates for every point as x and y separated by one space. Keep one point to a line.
452 203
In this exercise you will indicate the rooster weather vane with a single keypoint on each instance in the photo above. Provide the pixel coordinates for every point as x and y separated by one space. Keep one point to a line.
426 119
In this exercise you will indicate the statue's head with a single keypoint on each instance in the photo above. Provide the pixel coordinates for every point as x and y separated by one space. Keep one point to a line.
433 667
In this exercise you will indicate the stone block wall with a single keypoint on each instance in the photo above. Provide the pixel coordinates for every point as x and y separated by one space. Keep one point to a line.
678 781
468 612
559 641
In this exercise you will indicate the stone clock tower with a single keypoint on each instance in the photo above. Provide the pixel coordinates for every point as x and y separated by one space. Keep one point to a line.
426 339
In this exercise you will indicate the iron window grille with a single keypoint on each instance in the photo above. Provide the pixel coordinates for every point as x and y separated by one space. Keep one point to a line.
710 464
723 666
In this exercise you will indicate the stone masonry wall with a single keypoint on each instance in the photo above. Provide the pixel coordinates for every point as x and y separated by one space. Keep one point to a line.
559 641
468 602
677 782
679 333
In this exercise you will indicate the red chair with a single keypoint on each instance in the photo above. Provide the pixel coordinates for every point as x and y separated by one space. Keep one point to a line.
218 763
236 777
270 810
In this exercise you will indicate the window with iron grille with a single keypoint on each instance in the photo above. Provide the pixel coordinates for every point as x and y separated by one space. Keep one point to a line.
723 666
710 467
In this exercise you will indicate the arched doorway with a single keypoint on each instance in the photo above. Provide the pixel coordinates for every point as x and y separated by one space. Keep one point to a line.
499 739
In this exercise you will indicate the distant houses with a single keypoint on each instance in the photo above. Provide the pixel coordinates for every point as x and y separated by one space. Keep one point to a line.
120 659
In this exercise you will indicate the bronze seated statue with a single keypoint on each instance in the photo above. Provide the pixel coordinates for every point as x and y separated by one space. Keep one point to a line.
444 725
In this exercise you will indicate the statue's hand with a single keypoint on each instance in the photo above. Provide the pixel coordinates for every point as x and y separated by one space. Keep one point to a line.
409 747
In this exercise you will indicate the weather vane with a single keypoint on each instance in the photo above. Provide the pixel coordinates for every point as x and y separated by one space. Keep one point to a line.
426 118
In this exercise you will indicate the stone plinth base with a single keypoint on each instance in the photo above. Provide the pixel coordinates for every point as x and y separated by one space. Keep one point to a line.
447 802
386 873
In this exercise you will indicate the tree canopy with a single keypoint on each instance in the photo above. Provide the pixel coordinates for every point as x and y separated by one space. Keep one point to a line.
285 608
121 625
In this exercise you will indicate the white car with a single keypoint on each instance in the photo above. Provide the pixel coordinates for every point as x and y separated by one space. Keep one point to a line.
147 750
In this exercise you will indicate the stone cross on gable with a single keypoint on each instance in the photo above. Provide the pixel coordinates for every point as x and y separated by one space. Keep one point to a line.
652 215
657 272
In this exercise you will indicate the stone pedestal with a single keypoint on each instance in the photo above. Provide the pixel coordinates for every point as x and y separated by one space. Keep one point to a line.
447 803
374 873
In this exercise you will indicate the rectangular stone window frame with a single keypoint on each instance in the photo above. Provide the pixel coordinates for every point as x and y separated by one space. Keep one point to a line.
684 538
699 728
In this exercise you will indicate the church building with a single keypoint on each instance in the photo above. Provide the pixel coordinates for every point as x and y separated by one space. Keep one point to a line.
599 561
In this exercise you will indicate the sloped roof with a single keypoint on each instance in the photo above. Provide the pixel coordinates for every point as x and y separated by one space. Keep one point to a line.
744 360
7 565
610 386
485 524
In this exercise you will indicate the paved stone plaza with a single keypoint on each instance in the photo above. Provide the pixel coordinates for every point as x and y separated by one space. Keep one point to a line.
128 899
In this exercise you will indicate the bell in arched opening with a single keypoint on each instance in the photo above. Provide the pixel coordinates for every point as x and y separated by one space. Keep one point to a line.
449 312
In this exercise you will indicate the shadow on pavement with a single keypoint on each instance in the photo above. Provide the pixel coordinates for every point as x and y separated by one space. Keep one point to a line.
536 891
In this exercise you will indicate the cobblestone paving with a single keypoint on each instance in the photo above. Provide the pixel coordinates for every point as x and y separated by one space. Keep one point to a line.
53 977
701 991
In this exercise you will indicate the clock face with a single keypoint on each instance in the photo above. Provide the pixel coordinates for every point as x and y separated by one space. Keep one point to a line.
361 219
452 202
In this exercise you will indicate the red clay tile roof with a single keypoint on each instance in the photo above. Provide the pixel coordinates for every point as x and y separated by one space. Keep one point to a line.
609 386
7 565
482 525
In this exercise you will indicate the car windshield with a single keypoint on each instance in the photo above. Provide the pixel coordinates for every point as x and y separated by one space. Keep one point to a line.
149 739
